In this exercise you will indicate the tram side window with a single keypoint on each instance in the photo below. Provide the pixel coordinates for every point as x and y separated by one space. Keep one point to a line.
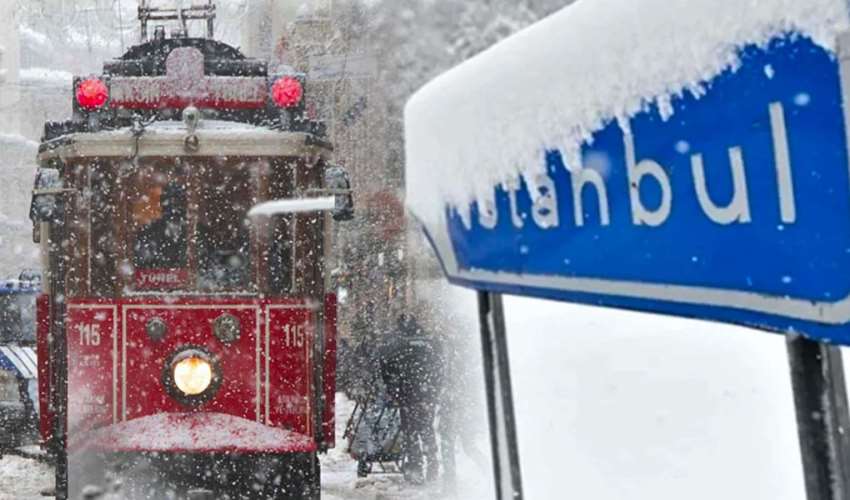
104 252
223 235
280 249
158 207
280 255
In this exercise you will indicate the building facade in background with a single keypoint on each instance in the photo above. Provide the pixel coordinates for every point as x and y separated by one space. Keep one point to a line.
331 42
10 58
18 149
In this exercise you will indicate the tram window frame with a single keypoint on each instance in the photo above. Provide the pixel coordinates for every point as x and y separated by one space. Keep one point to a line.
78 229
309 235
273 252
104 240
205 173
279 234
132 189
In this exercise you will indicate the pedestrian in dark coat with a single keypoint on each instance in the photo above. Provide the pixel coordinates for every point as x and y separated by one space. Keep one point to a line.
410 368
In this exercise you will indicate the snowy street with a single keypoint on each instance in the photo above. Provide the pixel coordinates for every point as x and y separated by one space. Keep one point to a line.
24 479
614 404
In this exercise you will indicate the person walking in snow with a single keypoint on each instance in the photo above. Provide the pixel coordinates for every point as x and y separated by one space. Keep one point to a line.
410 368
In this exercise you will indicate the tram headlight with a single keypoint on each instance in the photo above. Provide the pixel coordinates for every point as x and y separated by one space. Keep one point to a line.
191 376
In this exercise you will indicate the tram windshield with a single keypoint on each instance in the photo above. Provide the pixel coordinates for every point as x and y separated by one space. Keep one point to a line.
223 236
181 225
159 221
158 225
188 227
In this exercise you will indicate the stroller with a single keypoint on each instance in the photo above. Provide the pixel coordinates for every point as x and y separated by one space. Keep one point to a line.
373 432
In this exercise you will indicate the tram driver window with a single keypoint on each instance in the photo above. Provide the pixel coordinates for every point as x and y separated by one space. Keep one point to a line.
280 255
157 203
160 216
223 235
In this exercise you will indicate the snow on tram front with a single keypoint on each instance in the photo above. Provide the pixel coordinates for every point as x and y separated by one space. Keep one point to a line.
178 335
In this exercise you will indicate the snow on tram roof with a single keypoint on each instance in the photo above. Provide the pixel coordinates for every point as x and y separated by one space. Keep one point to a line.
229 126
554 84
167 138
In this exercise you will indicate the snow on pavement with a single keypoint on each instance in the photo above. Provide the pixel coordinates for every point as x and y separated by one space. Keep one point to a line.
23 478
616 404
339 472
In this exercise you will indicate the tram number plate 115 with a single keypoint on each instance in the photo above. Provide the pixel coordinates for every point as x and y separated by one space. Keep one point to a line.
92 357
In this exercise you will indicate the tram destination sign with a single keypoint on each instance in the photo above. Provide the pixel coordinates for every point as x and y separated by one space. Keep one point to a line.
735 208
184 83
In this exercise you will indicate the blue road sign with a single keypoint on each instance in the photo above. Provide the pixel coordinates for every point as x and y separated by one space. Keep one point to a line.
736 208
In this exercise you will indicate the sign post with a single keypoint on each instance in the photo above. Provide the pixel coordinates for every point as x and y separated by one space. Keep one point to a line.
823 424
500 405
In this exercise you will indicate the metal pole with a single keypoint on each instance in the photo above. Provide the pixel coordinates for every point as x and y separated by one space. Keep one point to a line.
823 422
210 20
143 19
59 353
500 406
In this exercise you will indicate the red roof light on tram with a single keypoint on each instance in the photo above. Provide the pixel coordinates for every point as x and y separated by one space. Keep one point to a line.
92 93
287 92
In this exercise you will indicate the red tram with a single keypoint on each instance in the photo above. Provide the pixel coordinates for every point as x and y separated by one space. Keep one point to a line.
183 345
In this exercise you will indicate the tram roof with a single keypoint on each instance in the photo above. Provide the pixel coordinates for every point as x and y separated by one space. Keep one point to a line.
167 138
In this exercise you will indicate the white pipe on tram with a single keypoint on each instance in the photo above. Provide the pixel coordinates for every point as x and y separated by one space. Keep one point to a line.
275 207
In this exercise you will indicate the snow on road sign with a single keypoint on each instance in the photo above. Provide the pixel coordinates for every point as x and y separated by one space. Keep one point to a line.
729 204
561 80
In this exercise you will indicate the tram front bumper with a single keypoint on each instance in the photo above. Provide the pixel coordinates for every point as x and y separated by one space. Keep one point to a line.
194 433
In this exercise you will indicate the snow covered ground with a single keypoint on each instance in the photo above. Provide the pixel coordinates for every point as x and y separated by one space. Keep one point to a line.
339 473
611 405
615 404
23 479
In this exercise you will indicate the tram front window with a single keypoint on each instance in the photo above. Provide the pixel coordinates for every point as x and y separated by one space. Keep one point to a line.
223 235
161 239
158 224
188 229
